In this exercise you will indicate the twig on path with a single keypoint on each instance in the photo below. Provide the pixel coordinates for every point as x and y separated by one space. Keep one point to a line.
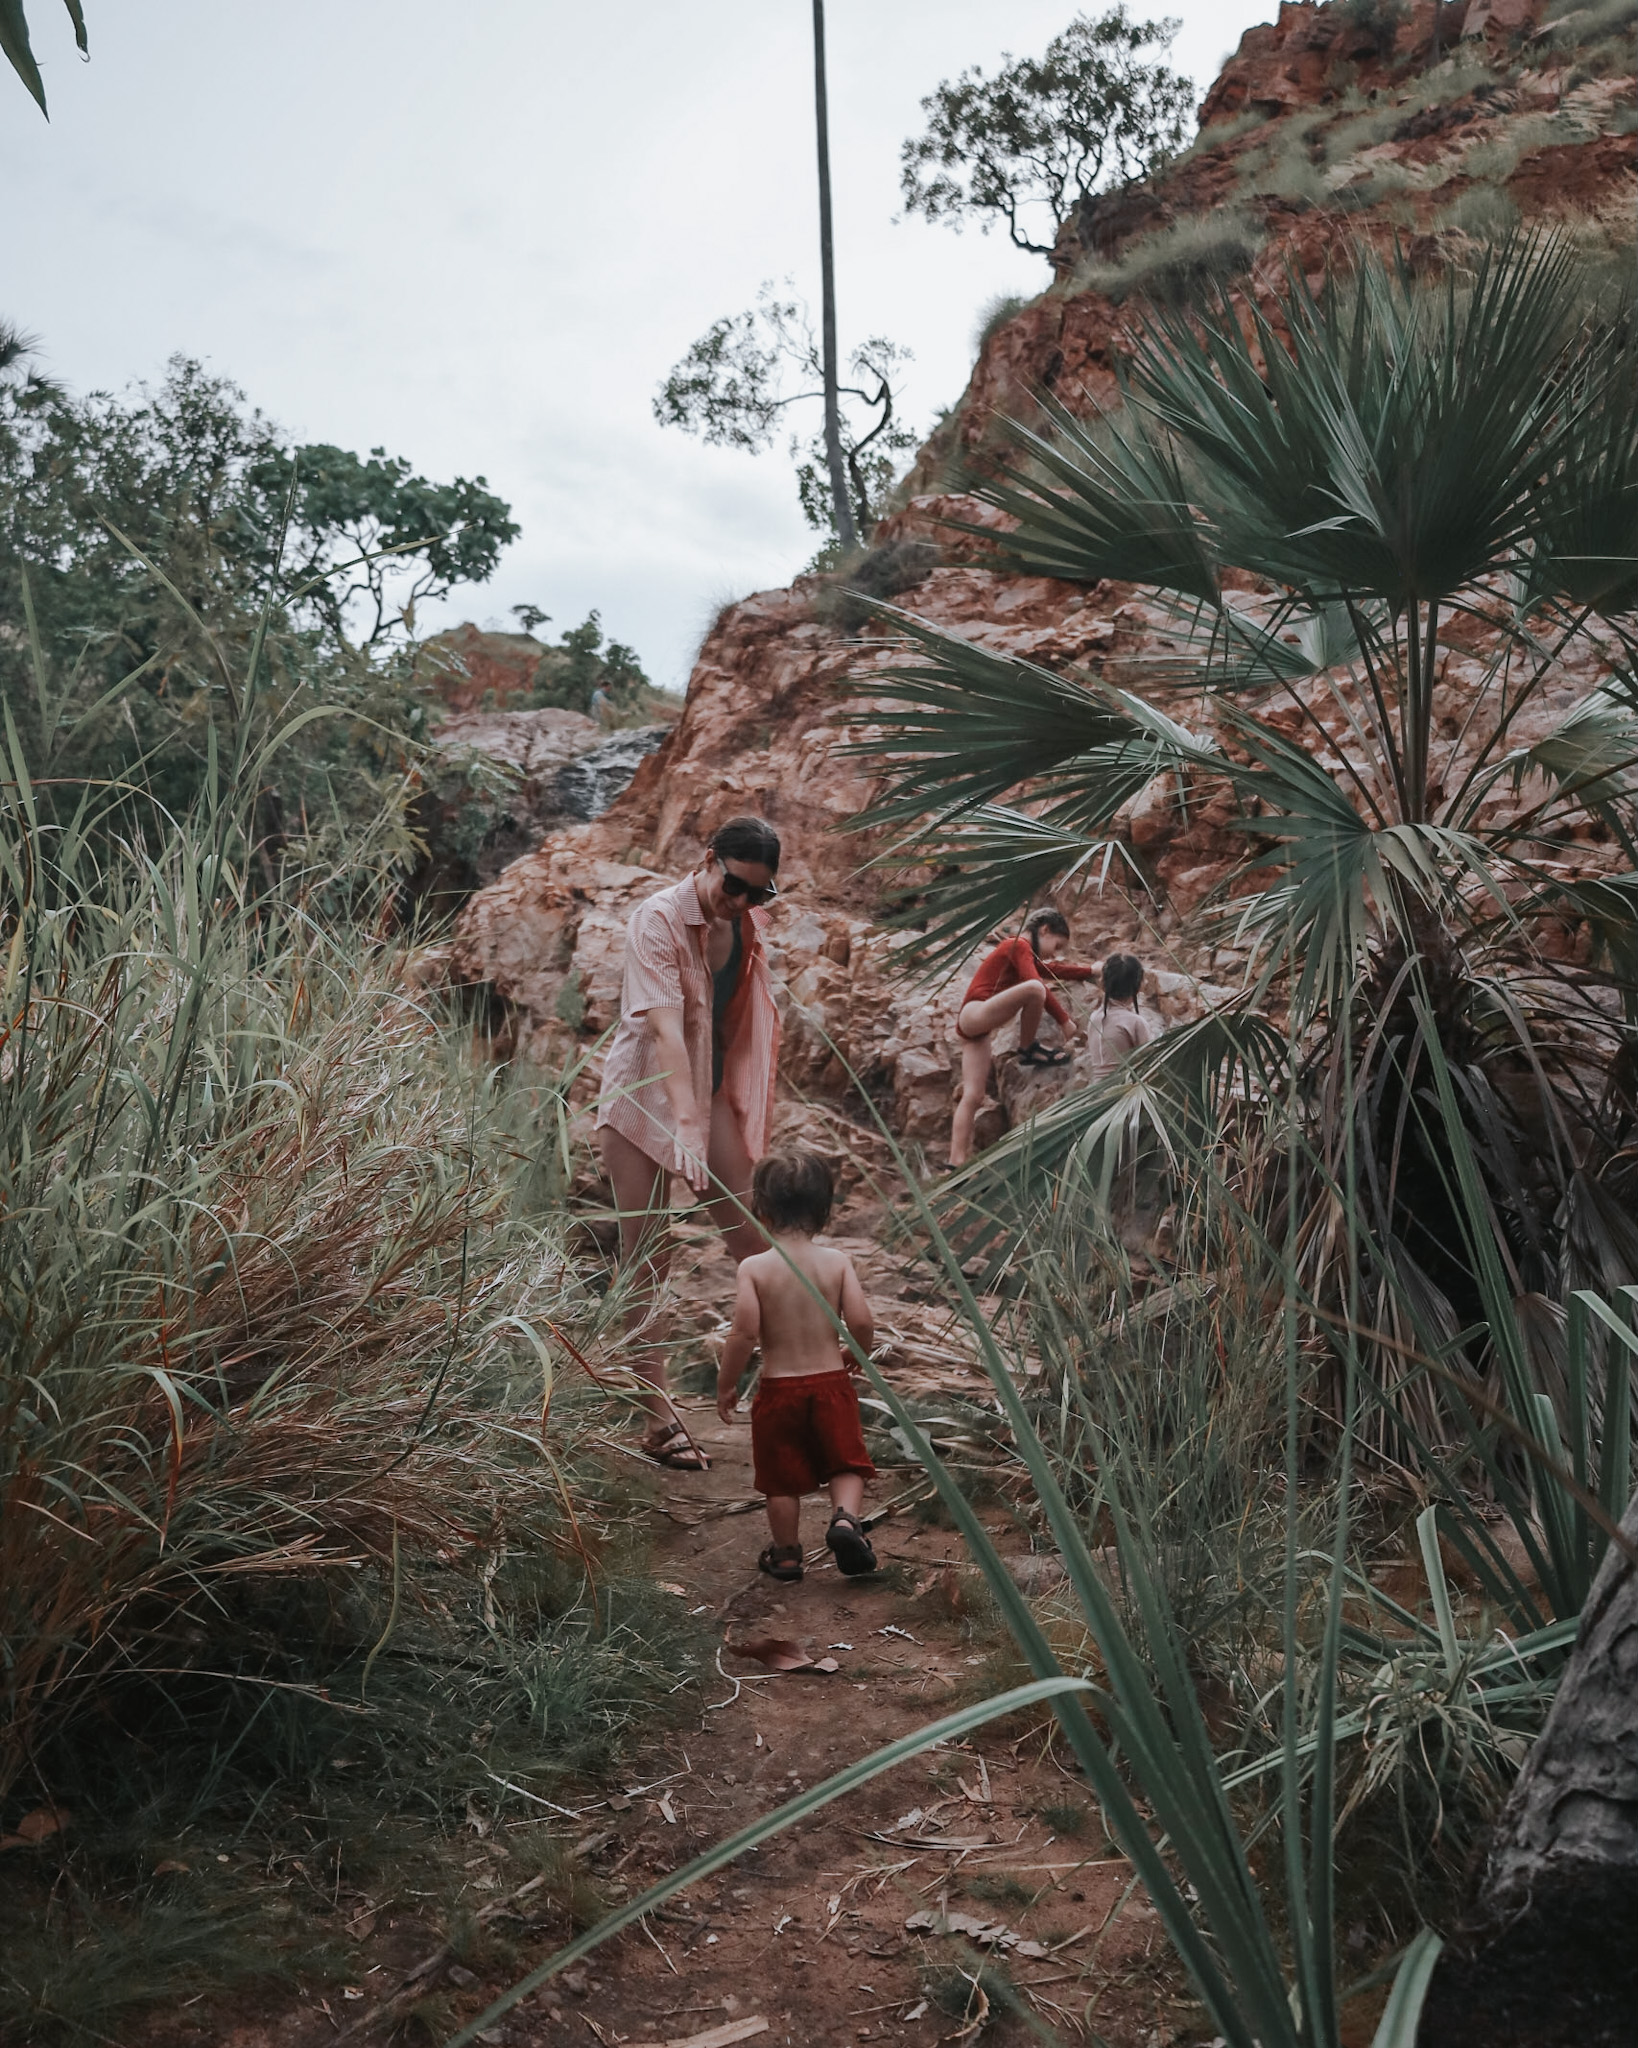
523 1792
739 1684
653 1937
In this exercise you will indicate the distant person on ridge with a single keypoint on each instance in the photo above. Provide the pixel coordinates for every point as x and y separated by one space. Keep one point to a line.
1123 1028
689 1077
1011 982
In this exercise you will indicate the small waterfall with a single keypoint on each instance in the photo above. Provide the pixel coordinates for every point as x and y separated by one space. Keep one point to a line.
586 786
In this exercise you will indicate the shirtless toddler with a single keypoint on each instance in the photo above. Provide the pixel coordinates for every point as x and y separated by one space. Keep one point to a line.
805 1429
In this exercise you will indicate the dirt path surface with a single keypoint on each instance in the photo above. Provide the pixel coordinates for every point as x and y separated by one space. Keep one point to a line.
912 1910
831 1933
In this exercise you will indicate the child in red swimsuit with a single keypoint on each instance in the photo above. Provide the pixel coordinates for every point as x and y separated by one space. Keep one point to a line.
1011 982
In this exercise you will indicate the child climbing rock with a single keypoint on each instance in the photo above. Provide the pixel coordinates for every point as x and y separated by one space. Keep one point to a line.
805 1429
1011 982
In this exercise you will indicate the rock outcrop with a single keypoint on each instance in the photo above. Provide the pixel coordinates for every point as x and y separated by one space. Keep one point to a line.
503 780
761 728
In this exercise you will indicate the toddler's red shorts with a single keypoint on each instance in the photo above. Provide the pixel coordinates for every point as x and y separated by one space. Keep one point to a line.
805 1429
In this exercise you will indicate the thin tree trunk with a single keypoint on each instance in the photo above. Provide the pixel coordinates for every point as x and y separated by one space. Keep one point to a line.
846 532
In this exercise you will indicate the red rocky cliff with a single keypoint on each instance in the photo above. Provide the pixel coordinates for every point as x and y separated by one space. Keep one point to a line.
760 729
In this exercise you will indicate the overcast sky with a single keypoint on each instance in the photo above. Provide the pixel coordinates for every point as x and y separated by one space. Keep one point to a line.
481 235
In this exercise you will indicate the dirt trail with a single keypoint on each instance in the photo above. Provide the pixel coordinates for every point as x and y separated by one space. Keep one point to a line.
809 1934
840 1929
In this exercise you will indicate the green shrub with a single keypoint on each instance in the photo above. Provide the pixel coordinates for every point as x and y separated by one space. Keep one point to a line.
1575 23
581 663
1381 20
1381 183
883 573
1286 169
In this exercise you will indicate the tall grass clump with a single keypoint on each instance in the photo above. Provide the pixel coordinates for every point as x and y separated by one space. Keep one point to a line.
287 1485
1325 1746
254 1262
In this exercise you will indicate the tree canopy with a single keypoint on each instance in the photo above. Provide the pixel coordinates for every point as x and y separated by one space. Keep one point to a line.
732 389
1097 109
146 541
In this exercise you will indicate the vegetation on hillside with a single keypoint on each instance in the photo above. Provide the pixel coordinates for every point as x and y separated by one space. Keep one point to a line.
1033 145
165 552
1411 473
304 1549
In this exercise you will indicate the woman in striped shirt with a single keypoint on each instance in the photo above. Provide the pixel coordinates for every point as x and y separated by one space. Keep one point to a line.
1011 982
689 1077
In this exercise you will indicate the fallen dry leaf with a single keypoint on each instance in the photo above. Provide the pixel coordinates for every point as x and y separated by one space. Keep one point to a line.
779 1653
985 1933
35 1827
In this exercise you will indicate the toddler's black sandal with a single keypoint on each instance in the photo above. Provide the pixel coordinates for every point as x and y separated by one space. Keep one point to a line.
782 1561
847 1541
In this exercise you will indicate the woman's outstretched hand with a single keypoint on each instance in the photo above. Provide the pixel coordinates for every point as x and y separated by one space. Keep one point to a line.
693 1142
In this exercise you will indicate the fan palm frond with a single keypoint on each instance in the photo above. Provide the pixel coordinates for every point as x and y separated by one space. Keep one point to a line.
984 865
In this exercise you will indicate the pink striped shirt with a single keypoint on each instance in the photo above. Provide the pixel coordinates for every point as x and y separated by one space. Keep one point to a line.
666 969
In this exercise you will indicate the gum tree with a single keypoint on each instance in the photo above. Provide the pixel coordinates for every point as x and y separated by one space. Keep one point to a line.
1097 109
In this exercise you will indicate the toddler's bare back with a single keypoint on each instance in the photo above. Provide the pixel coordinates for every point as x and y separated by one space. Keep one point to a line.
798 1335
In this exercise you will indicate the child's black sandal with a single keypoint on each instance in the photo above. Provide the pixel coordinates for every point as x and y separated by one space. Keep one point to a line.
848 1543
782 1561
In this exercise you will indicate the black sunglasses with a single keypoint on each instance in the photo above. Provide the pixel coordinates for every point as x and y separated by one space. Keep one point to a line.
735 886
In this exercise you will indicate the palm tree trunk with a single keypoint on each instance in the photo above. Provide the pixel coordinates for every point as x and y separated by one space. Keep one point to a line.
846 532
1555 1959
1572 1819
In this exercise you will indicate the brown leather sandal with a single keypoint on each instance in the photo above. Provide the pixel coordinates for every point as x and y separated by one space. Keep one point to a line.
782 1561
676 1450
